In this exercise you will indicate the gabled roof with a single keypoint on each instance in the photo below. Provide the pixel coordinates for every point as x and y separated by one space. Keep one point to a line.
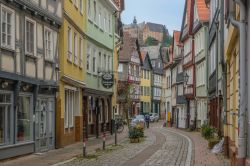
130 47
155 27
146 61
187 15
202 10
176 38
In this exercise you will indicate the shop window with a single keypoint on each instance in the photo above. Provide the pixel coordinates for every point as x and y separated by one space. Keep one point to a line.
5 118
24 121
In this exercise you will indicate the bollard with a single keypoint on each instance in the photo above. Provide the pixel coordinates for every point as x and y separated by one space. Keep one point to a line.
84 148
115 133
104 139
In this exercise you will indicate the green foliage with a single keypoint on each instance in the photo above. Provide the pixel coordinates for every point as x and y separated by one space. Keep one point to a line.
136 132
167 39
150 41
207 131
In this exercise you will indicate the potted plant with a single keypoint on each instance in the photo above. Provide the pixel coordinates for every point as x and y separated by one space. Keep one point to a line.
136 133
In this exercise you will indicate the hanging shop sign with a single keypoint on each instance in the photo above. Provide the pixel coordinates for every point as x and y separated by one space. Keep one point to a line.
107 80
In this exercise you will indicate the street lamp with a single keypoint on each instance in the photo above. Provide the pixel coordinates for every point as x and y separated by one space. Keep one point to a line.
186 77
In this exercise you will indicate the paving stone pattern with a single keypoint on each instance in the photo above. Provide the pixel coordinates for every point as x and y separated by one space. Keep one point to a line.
173 152
167 148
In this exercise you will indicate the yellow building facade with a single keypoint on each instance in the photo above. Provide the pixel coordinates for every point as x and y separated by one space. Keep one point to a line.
145 96
231 119
69 115
145 85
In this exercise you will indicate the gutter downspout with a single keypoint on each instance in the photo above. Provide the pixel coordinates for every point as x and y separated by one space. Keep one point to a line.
241 25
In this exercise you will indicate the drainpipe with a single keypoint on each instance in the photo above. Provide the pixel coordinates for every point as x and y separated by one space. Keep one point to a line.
241 25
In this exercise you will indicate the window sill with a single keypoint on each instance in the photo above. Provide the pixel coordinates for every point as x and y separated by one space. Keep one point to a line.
8 48
110 35
89 19
101 30
69 61
96 25
47 60
30 56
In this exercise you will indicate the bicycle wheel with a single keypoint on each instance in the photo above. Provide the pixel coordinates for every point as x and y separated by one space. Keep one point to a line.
120 128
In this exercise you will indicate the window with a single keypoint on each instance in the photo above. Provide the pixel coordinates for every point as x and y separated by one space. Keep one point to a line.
80 52
70 106
90 112
104 63
94 62
76 3
109 24
100 61
24 119
69 44
5 118
48 44
8 27
81 6
109 63
104 23
30 36
88 59
89 8
75 48
95 11
100 19
142 90
212 59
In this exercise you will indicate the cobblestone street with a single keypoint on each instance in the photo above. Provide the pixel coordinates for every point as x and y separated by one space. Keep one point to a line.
160 147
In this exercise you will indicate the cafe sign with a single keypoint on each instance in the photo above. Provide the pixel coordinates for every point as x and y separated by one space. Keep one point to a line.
107 80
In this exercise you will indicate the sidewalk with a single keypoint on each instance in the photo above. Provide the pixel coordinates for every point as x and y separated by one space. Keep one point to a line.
201 154
62 154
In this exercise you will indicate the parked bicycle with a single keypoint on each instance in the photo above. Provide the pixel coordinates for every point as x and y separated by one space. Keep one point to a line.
119 125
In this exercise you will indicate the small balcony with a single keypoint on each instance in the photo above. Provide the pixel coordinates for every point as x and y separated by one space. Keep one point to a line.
180 77
188 90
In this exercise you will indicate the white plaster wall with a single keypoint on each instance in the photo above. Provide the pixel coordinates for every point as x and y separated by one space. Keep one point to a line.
7 63
30 69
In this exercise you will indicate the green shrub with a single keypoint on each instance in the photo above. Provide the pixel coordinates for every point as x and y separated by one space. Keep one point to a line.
207 131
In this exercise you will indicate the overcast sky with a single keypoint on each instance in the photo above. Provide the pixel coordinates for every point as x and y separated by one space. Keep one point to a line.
166 12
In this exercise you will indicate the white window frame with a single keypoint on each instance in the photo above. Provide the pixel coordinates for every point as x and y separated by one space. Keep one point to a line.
71 95
81 6
80 52
27 19
51 56
89 10
12 24
70 44
75 49
88 59
94 68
